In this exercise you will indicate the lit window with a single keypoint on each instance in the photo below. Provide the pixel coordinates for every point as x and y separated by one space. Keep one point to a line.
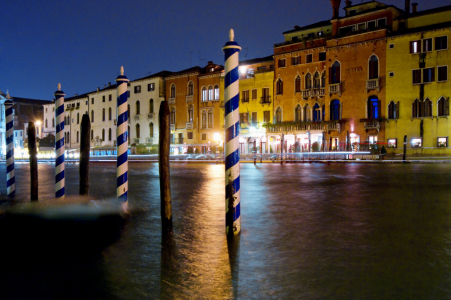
427 45
416 142
415 47
216 92
392 143
442 142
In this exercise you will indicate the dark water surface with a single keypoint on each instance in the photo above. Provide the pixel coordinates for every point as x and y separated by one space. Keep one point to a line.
309 231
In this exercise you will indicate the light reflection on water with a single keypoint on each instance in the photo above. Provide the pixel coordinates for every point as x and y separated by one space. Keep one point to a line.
309 231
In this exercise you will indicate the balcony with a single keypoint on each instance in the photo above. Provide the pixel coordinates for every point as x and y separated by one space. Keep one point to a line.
189 125
149 116
149 140
136 117
177 141
244 100
334 126
172 127
305 126
369 124
305 94
171 101
335 88
319 92
189 99
265 100
373 84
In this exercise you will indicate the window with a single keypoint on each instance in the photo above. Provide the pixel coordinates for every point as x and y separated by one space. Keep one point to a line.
210 93
254 117
128 96
311 35
374 108
137 89
309 58
443 107
151 87
266 116
294 39
335 110
173 91
138 107
392 143
151 129
346 30
254 94
322 56
190 135
416 76
428 75
371 24
109 134
391 46
261 68
334 72
244 118
393 110
427 45
316 113
103 114
391 74
353 12
415 47
204 119
86 102
297 84
103 98
138 131
442 142
441 43
53 122
323 79
307 113
151 106
78 118
172 116
361 26
316 80
298 113
204 136
245 96
416 142
110 114
191 114
427 108
381 23
373 67
216 87
103 135
295 60
442 73
282 63
46 123
92 135
278 115
210 118
308 81
279 87
204 94
92 116
110 97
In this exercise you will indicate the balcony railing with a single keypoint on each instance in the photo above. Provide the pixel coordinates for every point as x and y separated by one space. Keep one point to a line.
172 126
313 93
305 94
335 88
136 117
319 126
244 99
265 100
371 124
149 116
177 141
189 99
189 125
373 84
171 101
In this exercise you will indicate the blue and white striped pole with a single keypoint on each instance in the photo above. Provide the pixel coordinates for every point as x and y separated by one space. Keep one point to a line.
10 178
59 143
122 139
232 135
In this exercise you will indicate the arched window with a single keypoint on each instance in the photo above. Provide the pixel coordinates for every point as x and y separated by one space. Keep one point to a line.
297 84
173 116
204 119
92 116
172 90
374 108
204 94
151 129
443 107
68 137
316 112
151 106
308 81
190 88
278 115
316 81
78 136
279 87
92 135
103 135
78 118
392 111
298 113
323 79
335 110
138 133
210 93
216 92
427 108
128 112
103 114
416 109
373 65
190 114
53 122
110 113
334 73
307 113
210 118
138 107
46 123
109 134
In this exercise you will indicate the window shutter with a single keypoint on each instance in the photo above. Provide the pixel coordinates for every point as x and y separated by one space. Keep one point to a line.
447 106
397 110
379 113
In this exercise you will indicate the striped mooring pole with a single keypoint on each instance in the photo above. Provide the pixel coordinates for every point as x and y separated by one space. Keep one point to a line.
59 143
232 135
10 177
122 139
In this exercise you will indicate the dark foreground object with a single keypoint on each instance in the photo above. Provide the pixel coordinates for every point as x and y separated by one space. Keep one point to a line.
33 161
163 160
85 145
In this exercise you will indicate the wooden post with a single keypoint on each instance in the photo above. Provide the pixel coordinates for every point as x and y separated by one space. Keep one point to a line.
85 145
163 160
261 150
33 161
255 151
405 149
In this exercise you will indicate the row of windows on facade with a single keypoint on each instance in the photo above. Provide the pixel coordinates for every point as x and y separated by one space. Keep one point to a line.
417 142
264 99
428 75
296 60
244 118
426 45
190 135
137 90
315 114
208 94
206 117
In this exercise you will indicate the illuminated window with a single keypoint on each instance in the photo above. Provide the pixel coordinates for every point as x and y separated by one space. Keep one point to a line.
442 142
416 142
392 143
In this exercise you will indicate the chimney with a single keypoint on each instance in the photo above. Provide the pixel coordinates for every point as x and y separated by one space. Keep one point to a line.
335 8
98 89
414 7
109 84
348 3
407 8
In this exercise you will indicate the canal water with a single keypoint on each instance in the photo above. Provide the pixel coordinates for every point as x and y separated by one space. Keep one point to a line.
309 231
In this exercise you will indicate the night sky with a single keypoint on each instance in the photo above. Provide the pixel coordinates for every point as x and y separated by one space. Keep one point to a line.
82 44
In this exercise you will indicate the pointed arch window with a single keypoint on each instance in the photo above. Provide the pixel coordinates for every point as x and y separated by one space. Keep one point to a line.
297 84
151 106
191 114
373 65
109 134
393 110
210 118
334 73
103 135
138 131
138 107
173 116
151 129
278 115
427 108
307 113
416 109
279 87
173 91
190 88
323 79
443 107
335 110
204 119
298 113
316 112
204 94
316 81
308 81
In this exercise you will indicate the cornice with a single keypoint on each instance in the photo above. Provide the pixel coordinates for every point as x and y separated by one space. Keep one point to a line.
182 75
